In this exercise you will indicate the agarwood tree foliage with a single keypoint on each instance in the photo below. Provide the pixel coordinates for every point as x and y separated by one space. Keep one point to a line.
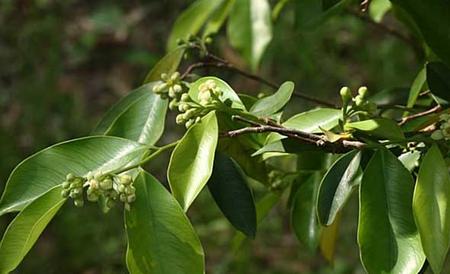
396 162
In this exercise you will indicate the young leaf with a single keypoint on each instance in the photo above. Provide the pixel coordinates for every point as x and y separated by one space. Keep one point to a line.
249 29
303 213
168 64
416 88
191 21
337 186
49 167
271 104
436 37
387 235
430 205
140 117
228 92
192 160
161 239
26 228
379 127
218 18
438 79
231 193
328 239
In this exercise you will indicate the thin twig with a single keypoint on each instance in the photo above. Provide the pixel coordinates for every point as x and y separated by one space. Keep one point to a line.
420 114
386 29
254 77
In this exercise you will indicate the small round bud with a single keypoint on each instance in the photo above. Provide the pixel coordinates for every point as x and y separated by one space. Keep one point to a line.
106 184
65 185
131 198
189 114
123 197
121 188
125 179
345 93
177 88
184 97
179 119
189 123
70 177
362 91
208 40
93 184
75 193
164 76
359 101
198 119
175 76
130 190
93 197
65 193
78 202
172 93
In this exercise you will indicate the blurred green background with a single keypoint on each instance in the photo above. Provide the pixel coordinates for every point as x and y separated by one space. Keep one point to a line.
64 63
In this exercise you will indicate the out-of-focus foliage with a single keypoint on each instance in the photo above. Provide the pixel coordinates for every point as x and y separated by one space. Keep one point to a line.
63 63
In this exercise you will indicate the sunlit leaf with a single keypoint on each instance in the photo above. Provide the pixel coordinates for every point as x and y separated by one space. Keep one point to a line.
378 127
271 104
161 239
168 64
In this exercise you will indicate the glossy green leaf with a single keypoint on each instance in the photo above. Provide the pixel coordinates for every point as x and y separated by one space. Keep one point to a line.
192 160
303 213
337 185
140 117
387 235
378 8
378 127
430 205
271 104
438 79
310 121
191 21
286 145
328 239
218 18
433 18
168 64
249 29
26 228
231 193
228 92
49 167
161 239
416 88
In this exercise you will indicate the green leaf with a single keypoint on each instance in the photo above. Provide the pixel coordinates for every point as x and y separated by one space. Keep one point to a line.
192 160
286 145
416 88
231 193
378 127
25 229
140 117
433 18
249 29
191 21
161 239
337 185
438 79
430 205
271 104
310 121
303 213
218 18
49 167
168 64
387 235
328 239
228 92
378 8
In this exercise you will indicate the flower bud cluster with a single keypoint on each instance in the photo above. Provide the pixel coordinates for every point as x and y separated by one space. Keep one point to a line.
363 103
443 133
111 188
170 86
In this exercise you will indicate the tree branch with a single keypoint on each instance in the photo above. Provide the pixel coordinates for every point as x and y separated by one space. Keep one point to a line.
420 114
228 66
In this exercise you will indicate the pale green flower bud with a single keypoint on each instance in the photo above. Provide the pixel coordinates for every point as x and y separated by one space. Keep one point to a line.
189 123
362 91
125 179
179 119
184 97
198 119
189 114
78 202
177 88
164 76
131 198
65 185
123 197
346 94
173 104
130 190
106 184
175 76
70 177
93 183
359 101
65 193
172 93
93 197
